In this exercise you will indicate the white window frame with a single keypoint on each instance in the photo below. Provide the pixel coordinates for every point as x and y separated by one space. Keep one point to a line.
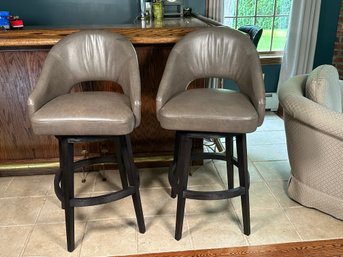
255 16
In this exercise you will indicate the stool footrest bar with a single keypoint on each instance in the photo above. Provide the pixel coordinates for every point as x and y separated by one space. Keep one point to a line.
102 199
213 195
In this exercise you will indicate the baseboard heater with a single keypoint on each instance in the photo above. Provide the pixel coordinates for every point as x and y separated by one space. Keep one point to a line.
272 102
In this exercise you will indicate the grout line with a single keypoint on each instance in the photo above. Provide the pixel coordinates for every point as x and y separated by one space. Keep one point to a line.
6 187
33 227
83 237
281 206
189 232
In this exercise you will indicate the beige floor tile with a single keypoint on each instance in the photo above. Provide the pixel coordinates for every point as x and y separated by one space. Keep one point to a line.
272 124
253 173
270 115
50 240
266 137
270 226
154 178
20 211
315 225
4 183
80 187
207 173
109 238
29 186
260 198
157 202
12 240
215 230
108 180
53 213
274 170
86 187
159 236
273 152
279 190
120 209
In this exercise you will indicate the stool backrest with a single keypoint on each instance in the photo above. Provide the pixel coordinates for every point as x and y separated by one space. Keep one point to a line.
254 32
91 55
214 52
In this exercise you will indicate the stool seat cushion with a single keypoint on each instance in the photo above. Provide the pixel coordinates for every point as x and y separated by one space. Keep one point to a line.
205 109
85 113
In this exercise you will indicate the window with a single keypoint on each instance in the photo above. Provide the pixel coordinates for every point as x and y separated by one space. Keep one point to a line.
271 15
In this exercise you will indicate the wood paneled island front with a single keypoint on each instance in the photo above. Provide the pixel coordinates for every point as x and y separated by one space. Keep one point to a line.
22 54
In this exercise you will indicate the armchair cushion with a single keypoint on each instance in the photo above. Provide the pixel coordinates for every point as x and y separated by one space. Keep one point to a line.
323 87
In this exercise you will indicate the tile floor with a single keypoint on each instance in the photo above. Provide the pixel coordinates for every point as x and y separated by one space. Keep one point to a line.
32 223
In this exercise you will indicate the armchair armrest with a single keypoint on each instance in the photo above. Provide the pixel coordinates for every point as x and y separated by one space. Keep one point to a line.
308 112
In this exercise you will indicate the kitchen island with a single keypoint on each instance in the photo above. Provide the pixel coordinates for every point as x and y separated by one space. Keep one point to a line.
22 54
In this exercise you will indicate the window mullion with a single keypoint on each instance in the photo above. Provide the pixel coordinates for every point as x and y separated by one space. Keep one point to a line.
273 24
236 20
255 18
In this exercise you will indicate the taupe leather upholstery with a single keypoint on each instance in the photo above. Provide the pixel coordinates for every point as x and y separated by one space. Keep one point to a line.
206 53
92 116
87 56
210 112
315 142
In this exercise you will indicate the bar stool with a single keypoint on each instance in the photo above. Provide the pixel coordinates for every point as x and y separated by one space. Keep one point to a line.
254 32
211 112
89 116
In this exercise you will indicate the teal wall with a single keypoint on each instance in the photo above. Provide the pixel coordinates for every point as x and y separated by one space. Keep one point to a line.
72 12
81 12
329 14
198 6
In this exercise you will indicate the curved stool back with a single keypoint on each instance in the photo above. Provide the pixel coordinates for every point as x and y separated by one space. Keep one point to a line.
254 32
89 116
211 112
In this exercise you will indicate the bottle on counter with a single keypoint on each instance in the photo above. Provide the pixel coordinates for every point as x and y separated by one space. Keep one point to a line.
157 6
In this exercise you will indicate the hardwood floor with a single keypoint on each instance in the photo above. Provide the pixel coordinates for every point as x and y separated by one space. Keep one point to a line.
327 248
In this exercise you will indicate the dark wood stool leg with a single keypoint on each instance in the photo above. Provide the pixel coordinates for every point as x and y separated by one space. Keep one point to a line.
244 180
229 161
121 168
67 167
173 165
133 180
184 158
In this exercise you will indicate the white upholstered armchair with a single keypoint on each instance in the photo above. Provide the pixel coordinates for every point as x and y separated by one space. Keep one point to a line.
313 118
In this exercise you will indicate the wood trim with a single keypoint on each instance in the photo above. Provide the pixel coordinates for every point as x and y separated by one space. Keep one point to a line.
46 167
270 59
48 37
167 31
327 248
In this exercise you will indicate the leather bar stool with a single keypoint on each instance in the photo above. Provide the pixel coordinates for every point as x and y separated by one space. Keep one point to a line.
254 32
89 116
211 112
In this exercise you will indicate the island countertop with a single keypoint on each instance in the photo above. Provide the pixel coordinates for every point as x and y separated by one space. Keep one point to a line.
165 31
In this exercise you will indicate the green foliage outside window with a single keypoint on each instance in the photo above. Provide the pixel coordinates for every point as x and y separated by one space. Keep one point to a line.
271 15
